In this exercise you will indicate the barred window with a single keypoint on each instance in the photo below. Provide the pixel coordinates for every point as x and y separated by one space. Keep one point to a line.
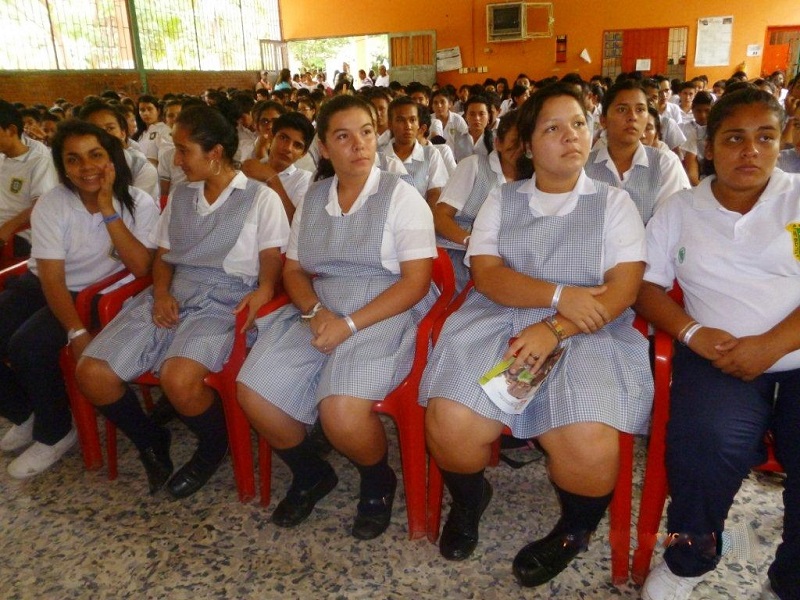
175 35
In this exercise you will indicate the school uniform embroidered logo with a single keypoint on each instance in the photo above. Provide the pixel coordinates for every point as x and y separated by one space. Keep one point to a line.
794 231
681 255
16 185
113 254
153 135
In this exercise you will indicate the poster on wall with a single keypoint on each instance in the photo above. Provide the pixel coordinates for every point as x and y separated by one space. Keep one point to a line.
448 59
714 35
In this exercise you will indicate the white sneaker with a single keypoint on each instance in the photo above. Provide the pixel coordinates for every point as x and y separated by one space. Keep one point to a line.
663 584
40 457
18 436
739 543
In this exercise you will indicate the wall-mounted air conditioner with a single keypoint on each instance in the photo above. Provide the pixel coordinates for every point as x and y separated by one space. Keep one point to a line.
506 22
515 21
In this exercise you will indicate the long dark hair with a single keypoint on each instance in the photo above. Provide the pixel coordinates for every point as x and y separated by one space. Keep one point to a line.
122 172
529 114
728 104
141 126
335 105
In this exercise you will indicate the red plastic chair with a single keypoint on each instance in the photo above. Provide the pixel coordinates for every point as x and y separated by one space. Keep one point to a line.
401 405
82 411
655 488
7 257
14 270
619 511
224 382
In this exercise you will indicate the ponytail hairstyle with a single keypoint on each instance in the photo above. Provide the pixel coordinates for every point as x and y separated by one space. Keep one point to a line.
728 104
335 105
123 178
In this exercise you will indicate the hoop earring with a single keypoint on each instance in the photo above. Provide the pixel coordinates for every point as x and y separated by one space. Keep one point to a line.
218 169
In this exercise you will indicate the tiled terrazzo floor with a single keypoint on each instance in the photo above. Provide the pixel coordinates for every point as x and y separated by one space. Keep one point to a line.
73 534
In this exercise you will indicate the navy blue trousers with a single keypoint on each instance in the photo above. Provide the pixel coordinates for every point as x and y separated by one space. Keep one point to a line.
714 437
30 378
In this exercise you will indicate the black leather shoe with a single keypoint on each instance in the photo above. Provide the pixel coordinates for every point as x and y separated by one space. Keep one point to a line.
298 504
157 464
540 561
460 532
192 476
374 514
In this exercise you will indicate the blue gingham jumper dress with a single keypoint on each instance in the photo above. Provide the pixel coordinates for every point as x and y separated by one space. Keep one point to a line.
642 184
418 171
132 344
483 184
344 252
601 377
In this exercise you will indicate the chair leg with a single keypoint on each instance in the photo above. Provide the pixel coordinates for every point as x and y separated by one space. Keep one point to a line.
654 495
111 450
620 513
240 444
411 431
435 494
265 471
83 413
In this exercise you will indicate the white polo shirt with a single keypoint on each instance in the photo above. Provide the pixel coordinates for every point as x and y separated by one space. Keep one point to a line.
463 181
265 226
437 175
623 231
23 179
63 229
673 176
295 181
408 233
739 273
154 138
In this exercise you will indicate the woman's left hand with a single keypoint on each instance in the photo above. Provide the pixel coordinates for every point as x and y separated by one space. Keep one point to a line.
532 347
107 177
746 358
253 303
330 333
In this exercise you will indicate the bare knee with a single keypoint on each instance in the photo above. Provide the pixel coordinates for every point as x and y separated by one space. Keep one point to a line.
97 381
182 382
455 432
583 456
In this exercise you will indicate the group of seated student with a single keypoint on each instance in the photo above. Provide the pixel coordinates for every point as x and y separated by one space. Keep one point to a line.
566 213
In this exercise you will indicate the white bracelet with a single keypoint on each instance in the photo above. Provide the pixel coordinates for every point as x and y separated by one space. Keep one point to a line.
556 296
351 324
74 334
688 335
313 312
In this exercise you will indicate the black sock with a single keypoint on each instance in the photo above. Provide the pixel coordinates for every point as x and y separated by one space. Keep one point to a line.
580 514
305 464
127 414
211 432
465 488
376 480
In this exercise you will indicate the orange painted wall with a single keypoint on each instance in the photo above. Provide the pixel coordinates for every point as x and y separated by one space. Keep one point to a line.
463 23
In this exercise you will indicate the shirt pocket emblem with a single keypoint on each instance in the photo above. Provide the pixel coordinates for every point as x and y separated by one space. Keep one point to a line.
794 231
16 185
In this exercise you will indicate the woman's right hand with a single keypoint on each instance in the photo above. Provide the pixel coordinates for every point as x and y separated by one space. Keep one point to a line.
580 305
707 340
165 311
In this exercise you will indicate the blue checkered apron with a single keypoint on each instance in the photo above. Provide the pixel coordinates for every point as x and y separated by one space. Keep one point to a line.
484 182
418 171
601 377
132 344
643 184
344 252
